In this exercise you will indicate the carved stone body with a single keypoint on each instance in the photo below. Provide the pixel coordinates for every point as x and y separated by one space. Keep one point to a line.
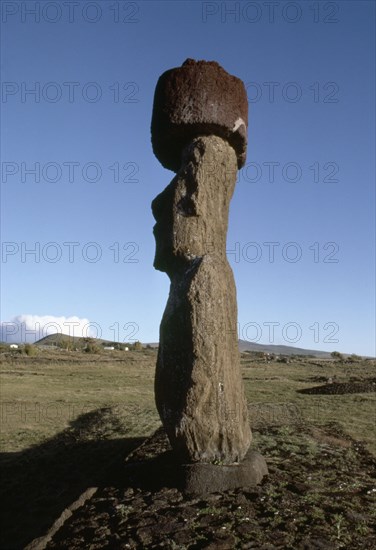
198 386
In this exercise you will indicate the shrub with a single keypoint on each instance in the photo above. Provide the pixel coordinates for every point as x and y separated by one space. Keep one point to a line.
337 355
92 348
65 344
30 350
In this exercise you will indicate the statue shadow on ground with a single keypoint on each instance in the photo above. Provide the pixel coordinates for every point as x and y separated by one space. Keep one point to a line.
41 481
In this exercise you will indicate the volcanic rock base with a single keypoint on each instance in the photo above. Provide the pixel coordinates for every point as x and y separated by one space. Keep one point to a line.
162 470
203 478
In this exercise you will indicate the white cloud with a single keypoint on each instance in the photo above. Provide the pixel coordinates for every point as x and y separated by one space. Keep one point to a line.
30 328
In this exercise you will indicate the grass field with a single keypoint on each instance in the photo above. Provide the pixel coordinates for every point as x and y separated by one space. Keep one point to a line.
44 394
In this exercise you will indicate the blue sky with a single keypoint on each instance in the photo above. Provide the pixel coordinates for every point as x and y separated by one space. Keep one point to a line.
309 73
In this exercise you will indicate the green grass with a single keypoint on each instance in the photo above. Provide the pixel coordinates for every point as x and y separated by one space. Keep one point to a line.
41 395
271 389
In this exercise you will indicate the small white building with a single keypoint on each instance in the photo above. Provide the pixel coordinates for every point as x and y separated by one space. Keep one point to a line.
13 346
126 349
109 347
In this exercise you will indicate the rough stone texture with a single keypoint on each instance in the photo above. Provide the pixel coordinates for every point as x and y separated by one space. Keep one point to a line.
198 98
202 479
198 386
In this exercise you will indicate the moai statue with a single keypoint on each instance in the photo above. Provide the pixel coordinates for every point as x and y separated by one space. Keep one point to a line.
199 130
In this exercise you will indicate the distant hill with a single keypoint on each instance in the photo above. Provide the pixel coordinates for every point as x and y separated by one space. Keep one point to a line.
244 345
281 350
57 339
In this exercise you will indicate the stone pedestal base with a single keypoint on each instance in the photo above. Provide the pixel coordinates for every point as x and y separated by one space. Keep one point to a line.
153 466
200 478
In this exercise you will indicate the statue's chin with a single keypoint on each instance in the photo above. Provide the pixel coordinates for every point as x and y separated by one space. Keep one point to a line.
161 261
158 264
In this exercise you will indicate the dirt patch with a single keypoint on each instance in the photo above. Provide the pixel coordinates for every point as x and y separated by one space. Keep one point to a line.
320 494
335 388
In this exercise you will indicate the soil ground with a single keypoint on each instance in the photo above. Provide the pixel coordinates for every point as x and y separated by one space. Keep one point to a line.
320 494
